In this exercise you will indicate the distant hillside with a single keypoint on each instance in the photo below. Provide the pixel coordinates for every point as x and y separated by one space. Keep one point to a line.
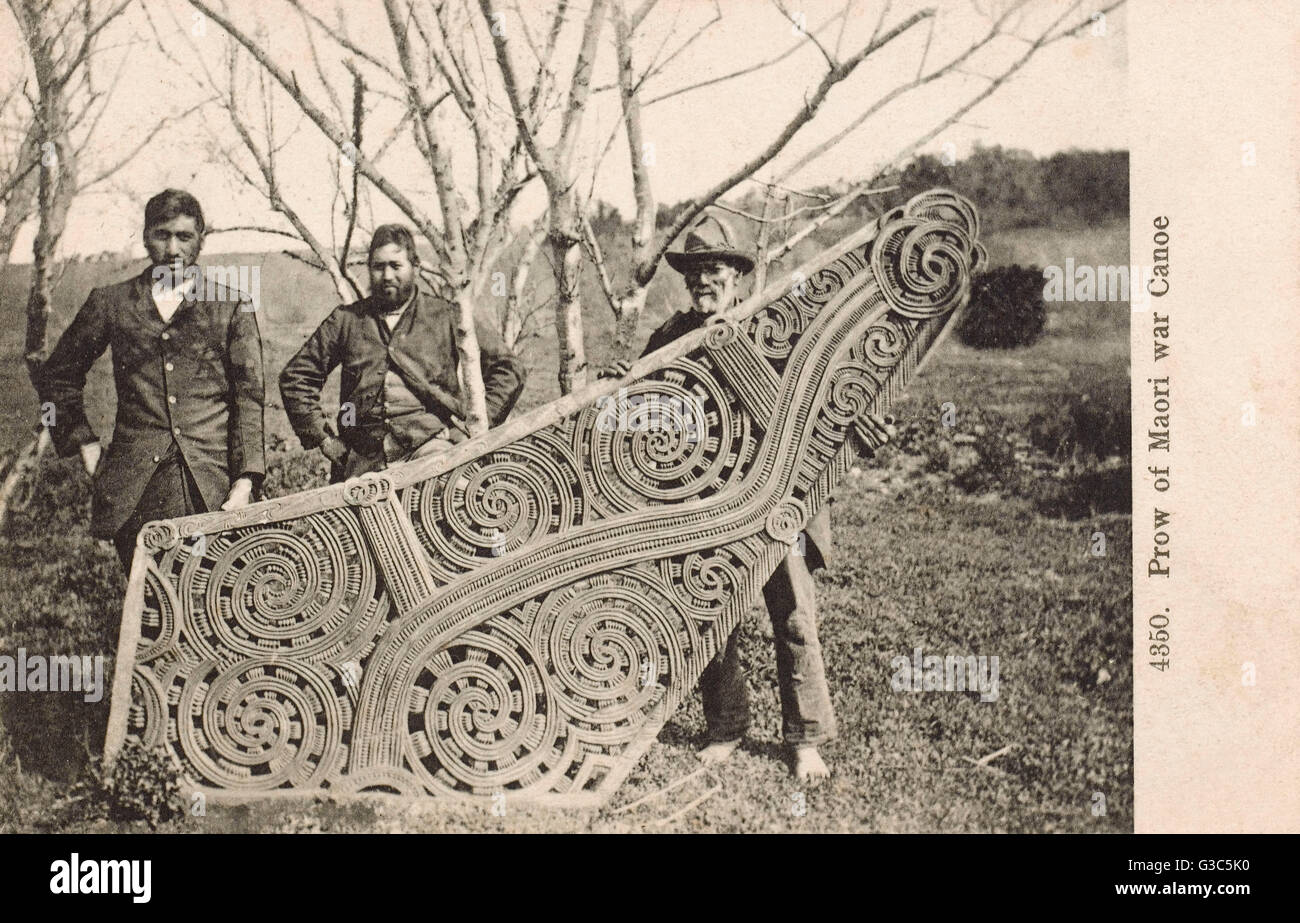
1076 197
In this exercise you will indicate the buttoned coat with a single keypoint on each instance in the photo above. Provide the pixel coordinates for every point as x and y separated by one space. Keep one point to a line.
421 349
196 380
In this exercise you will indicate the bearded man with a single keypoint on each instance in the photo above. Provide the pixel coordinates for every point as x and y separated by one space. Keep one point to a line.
399 391
712 266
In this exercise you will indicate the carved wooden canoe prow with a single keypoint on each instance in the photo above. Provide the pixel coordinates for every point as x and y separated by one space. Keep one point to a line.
523 614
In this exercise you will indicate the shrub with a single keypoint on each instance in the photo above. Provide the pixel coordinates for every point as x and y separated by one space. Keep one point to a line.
141 785
289 471
1006 308
980 452
1092 423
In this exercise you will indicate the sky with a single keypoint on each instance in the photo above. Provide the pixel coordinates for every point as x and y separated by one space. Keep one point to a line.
1072 94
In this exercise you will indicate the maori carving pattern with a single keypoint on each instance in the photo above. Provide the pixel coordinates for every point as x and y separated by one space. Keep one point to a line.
526 618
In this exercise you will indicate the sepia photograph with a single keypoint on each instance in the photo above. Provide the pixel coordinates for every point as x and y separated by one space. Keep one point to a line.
616 416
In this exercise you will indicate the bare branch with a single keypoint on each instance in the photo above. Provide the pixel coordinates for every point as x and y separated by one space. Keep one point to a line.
641 13
1045 38
761 65
835 208
328 126
645 271
343 41
254 229
812 36
113 168
951 67
523 111
598 260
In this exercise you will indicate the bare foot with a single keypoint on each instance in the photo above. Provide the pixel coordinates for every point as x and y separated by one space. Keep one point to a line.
718 751
808 764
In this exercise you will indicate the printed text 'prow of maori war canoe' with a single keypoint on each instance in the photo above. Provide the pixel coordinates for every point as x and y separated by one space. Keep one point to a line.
523 614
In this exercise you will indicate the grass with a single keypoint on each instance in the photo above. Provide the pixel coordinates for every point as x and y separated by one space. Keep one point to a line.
918 565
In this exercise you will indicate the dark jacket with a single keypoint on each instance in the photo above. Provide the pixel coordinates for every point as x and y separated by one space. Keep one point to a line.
421 349
196 380
818 548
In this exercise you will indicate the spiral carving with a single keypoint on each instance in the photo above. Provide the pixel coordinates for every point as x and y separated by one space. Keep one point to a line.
610 647
495 504
922 266
261 724
664 440
479 718
160 536
704 583
306 589
721 332
775 328
884 343
367 490
851 393
786 520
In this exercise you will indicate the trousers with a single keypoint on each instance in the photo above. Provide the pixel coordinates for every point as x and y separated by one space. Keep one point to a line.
171 492
807 717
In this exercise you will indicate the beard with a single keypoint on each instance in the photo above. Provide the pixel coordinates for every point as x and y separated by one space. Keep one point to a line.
391 298
709 299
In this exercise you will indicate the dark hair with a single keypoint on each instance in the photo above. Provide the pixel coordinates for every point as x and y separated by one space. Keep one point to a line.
398 234
171 203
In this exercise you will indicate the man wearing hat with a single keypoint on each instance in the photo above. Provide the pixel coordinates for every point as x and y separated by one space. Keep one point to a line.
712 264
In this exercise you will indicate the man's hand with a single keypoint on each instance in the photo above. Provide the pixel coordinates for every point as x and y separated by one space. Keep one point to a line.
616 369
333 449
241 493
90 453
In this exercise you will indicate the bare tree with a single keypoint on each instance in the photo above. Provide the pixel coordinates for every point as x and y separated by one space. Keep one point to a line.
556 164
628 301
464 82
431 64
61 41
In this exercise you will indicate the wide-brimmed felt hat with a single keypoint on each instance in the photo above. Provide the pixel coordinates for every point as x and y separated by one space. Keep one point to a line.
710 238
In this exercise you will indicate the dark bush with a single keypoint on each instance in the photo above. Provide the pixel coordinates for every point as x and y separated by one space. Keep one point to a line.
1006 308
1091 424
141 785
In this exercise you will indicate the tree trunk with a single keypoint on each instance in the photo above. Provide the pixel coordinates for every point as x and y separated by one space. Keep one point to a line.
56 187
567 259
22 200
473 393
630 307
